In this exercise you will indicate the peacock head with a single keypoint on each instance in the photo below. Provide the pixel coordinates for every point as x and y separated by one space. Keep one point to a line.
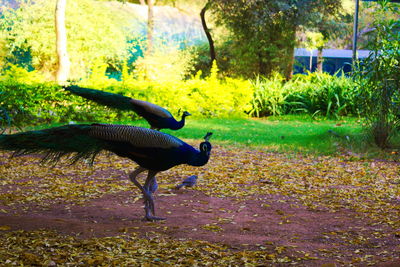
205 147
185 114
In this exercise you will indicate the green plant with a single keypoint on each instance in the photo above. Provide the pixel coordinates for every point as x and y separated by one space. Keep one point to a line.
315 94
269 96
30 101
321 93
378 78
165 64
95 29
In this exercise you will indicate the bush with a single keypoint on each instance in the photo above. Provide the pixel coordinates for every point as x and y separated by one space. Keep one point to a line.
315 93
378 78
28 100
32 102
323 94
269 96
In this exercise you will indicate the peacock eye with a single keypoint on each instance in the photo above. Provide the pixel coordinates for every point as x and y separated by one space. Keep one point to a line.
204 147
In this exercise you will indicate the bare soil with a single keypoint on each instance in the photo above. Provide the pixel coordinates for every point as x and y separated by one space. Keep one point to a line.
262 222
240 224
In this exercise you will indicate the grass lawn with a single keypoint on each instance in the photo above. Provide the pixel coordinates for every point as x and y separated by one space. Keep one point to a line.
281 134
295 133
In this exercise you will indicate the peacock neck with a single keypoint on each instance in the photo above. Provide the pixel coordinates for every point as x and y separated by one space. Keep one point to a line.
179 124
182 121
198 159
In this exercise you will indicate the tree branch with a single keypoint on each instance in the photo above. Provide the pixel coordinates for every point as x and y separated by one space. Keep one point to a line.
207 32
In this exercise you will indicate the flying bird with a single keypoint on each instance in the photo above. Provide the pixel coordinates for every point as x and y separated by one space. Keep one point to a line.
156 116
152 150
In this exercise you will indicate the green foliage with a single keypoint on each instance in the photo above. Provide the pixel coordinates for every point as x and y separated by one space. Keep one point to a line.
378 78
225 59
3 50
269 96
31 102
263 32
28 100
165 64
315 93
21 75
95 31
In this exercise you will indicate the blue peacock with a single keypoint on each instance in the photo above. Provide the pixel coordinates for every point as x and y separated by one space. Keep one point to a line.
152 150
156 116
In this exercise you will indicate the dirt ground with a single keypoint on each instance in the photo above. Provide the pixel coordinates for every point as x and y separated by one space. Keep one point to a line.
318 237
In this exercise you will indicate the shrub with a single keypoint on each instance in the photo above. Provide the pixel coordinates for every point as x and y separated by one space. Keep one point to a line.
378 78
269 96
321 93
168 64
315 93
33 102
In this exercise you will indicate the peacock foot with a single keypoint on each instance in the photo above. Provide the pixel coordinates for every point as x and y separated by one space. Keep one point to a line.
153 218
149 205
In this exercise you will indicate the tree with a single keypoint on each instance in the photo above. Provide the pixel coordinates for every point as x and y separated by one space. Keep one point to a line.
61 42
207 32
378 78
264 31
96 33
315 40
150 26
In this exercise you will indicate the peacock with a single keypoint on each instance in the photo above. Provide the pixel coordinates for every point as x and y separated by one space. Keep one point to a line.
156 116
152 150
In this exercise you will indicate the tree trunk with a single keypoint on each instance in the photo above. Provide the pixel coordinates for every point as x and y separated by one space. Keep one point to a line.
288 70
207 32
264 67
320 60
61 42
150 26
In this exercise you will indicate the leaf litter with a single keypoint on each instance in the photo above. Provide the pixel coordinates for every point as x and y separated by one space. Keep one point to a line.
271 181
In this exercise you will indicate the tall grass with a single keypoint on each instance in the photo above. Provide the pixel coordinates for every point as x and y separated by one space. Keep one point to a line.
313 94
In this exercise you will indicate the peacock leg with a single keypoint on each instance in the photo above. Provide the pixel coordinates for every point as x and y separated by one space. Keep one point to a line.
136 172
151 177
148 199
149 203
145 192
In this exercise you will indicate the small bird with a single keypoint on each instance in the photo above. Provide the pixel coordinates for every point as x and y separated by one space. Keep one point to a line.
188 182
156 116
152 150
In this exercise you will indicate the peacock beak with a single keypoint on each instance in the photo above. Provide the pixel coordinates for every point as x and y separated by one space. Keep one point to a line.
207 136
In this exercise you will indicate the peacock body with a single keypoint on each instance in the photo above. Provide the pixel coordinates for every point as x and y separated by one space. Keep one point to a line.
156 116
152 150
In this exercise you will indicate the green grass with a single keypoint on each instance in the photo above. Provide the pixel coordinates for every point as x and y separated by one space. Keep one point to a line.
286 133
281 134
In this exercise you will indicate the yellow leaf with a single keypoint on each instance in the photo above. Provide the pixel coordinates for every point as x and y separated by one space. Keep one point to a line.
5 228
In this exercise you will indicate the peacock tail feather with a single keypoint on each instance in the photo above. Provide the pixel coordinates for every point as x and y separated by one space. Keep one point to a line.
136 136
55 143
108 99
150 108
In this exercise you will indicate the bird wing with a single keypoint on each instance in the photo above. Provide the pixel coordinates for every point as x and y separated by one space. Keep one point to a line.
151 108
136 136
